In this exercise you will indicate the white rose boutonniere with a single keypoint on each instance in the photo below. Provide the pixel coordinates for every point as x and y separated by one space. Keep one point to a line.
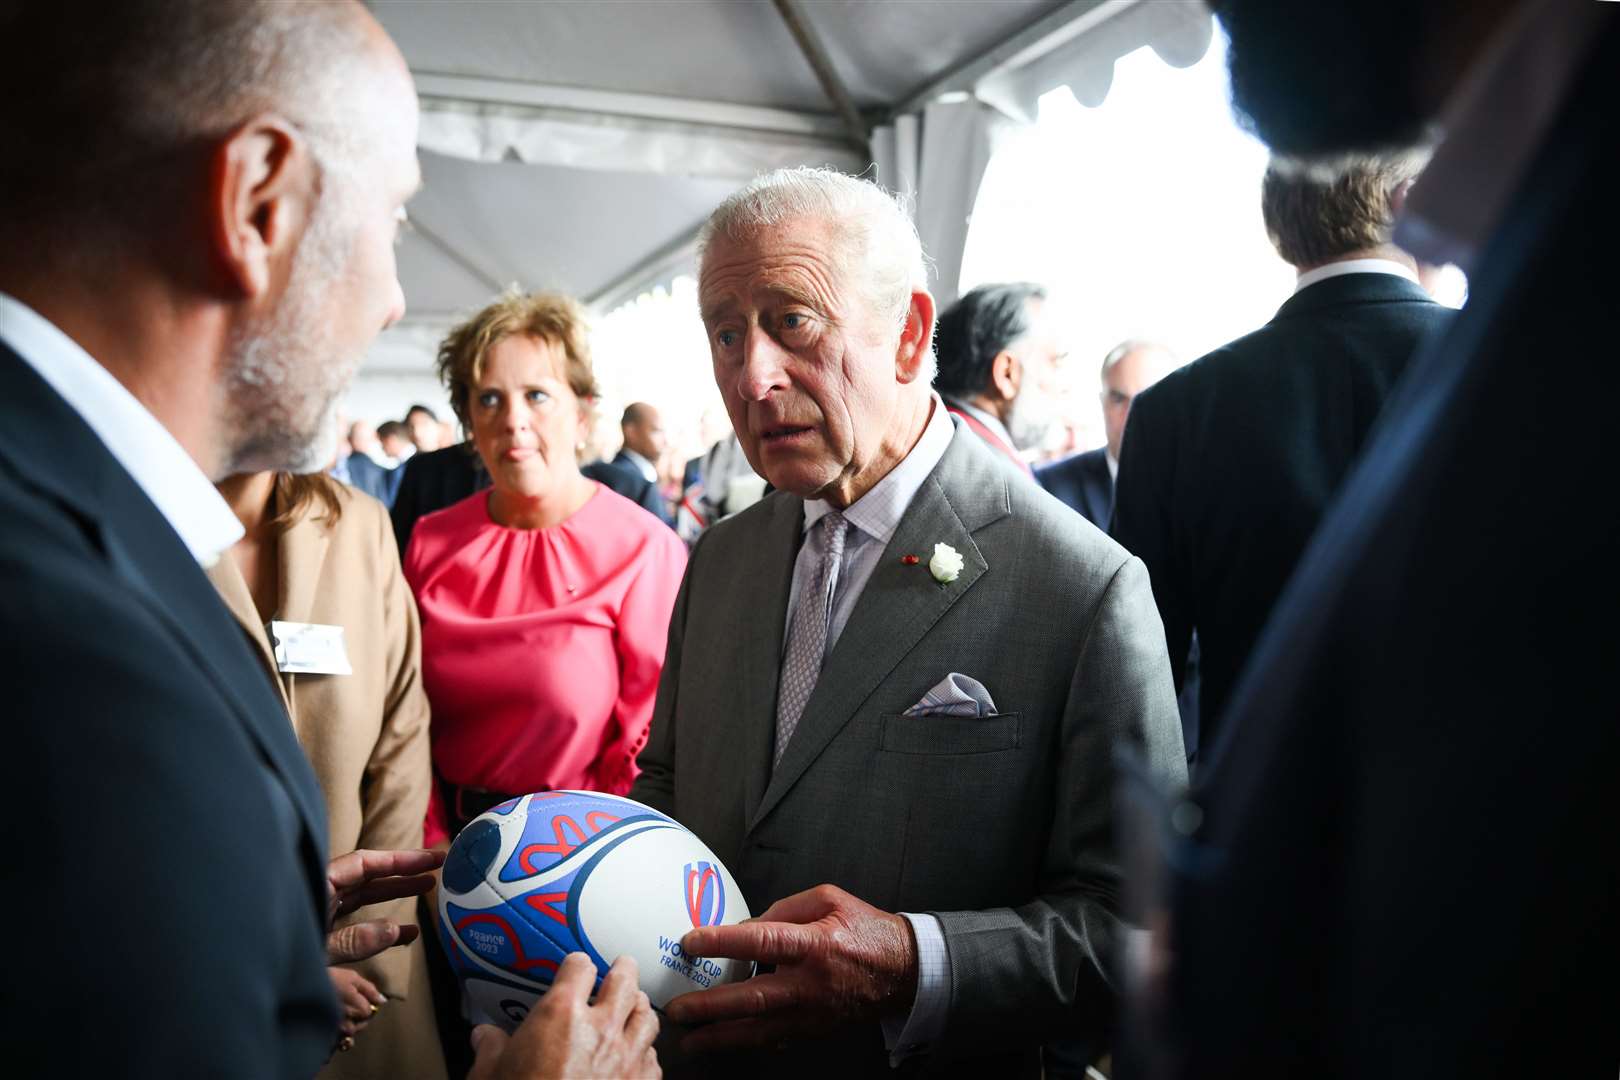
946 563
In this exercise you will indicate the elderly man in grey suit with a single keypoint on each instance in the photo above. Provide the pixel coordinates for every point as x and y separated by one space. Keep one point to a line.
896 687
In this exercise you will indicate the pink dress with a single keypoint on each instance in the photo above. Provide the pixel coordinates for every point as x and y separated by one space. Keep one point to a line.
541 648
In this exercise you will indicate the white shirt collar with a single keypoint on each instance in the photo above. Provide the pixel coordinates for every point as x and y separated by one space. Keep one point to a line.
1494 124
989 420
1354 266
878 512
142 445
649 471
1113 465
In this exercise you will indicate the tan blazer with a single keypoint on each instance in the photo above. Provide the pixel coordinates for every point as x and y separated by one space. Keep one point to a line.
366 735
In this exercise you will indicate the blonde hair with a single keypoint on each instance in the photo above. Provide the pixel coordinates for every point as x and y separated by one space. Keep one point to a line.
548 316
296 493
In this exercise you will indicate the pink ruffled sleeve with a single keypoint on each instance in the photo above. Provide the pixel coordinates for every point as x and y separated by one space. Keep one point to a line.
641 637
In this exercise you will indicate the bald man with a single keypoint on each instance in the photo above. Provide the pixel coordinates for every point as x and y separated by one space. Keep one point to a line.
196 250
1086 481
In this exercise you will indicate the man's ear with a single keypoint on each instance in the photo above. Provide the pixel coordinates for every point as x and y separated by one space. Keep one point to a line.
916 337
261 190
1006 373
1397 198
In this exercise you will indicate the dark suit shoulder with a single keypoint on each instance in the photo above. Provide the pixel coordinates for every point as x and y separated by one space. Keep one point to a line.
1074 467
122 735
1385 325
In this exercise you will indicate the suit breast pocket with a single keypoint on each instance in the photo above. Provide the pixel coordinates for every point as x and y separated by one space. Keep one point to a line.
903 734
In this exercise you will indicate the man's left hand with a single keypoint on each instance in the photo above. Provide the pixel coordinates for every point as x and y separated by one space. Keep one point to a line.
369 877
838 961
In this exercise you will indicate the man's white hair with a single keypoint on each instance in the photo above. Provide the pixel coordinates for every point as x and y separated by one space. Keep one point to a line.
1131 345
881 249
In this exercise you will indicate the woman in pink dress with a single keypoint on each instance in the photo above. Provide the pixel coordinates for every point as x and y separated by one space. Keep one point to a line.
545 601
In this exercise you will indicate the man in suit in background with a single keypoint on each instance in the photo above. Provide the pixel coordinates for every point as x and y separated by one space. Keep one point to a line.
426 434
1229 463
1085 481
644 440
433 481
998 358
394 436
368 476
1399 861
897 684
644 444
198 207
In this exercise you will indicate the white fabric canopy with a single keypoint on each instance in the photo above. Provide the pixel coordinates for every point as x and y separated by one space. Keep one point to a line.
578 146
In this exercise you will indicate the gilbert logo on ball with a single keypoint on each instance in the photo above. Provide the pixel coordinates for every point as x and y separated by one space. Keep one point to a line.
541 876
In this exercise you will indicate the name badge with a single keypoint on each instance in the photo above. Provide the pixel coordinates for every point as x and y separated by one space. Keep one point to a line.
309 648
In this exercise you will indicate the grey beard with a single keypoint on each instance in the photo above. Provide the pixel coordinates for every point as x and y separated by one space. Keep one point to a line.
283 380
1028 427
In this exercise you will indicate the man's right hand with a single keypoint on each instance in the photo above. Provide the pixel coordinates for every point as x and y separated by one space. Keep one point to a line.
565 1035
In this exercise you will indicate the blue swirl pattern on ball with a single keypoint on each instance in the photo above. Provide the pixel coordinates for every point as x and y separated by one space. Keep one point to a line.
496 928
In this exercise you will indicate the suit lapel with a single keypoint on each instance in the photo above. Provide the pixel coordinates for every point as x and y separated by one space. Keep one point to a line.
900 603
56 450
147 554
761 666
233 590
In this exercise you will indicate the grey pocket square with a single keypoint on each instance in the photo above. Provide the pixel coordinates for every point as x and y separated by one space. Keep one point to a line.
955 695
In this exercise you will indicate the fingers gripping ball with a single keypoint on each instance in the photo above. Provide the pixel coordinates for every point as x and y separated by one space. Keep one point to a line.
544 875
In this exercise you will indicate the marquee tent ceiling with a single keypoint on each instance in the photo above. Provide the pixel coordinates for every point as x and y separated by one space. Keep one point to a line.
734 51
578 145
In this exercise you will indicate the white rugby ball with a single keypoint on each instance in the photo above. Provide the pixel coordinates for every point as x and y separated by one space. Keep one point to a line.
541 876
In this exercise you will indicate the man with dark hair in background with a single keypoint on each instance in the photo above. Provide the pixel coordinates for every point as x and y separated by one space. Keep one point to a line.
998 354
425 432
198 208
1085 481
1229 463
1399 860
394 436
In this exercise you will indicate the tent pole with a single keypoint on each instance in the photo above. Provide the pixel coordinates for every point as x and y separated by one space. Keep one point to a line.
815 52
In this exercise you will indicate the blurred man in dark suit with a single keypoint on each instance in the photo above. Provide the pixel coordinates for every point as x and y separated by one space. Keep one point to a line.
999 354
644 443
1230 462
1399 860
433 481
361 471
394 436
1086 480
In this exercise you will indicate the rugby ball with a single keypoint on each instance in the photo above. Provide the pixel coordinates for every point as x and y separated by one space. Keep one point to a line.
544 875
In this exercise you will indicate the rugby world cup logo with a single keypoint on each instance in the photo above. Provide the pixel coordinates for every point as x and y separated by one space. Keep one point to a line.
705 894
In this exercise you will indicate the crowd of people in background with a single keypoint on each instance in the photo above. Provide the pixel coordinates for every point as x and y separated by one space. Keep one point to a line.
1189 753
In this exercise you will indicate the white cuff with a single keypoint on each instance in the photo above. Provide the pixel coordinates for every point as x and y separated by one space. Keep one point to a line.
917 1033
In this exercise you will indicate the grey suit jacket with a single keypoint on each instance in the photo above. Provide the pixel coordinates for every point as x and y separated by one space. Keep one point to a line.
1001 826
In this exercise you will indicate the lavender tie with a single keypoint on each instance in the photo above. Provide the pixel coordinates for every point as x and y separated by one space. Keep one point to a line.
807 637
